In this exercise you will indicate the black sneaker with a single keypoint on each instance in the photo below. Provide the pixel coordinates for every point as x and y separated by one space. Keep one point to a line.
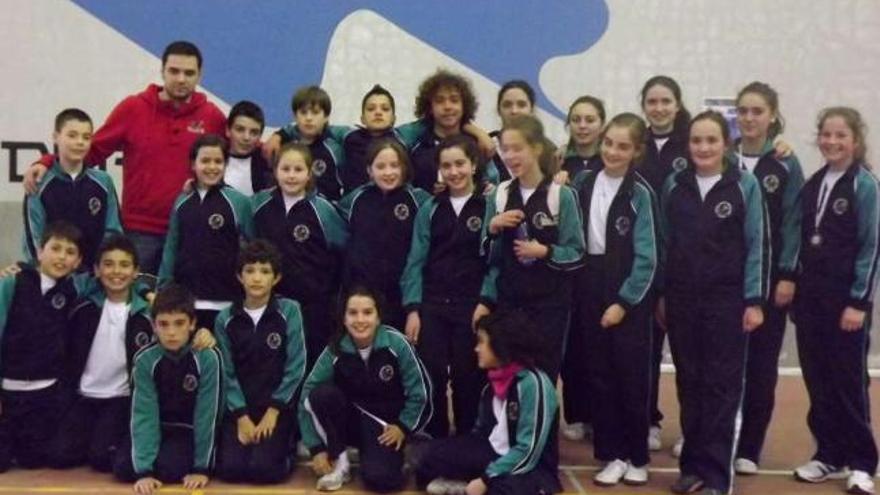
687 483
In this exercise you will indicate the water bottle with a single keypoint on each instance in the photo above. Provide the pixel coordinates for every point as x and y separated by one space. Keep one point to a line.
522 234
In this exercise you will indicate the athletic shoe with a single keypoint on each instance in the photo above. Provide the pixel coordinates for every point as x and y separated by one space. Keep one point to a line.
688 483
635 475
333 480
817 472
574 432
860 483
655 443
745 466
611 474
443 486
677 448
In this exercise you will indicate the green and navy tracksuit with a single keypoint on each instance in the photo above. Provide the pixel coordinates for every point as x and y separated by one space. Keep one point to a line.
92 428
357 141
574 164
201 247
525 463
347 399
781 180
424 160
328 158
311 238
715 267
441 281
89 201
837 257
264 366
177 403
542 288
33 349
381 226
619 358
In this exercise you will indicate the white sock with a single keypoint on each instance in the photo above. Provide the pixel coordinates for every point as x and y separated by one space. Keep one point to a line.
342 463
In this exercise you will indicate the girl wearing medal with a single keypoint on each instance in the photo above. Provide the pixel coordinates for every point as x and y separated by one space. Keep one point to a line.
840 227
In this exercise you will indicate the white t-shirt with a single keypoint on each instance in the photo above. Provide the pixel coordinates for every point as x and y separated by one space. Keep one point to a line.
46 283
748 162
660 142
458 203
106 371
202 193
238 174
604 191
526 193
706 183
828 182
255 314
289 201
365 352
499 436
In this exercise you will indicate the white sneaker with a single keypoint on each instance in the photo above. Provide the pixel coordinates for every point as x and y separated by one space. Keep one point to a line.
677 448
611 474
817 472
655 443
443 486
333 480
860 483
745 466
635 475
574 432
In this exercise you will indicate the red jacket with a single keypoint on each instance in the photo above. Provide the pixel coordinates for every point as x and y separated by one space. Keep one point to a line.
154 138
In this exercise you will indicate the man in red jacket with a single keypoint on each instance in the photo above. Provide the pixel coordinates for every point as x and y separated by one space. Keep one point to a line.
154 130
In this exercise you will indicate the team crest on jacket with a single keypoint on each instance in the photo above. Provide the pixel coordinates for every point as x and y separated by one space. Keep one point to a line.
386 373
216 221
94 205
679 164
622 225
196 127
301 233
273 340
840 206
401 211
141 339
474 223
541 220
189 382
58 301
319 167
513 411
723 209
771 183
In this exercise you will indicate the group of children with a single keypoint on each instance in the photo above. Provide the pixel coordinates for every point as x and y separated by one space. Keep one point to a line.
342 288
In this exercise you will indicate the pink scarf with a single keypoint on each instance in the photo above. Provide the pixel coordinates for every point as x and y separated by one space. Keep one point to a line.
502 377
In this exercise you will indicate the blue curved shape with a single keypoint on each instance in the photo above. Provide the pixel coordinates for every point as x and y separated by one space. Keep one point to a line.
499 39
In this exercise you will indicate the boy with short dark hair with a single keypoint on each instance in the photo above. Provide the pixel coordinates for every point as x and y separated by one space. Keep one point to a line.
33 321
263 346
107 327
83 196
246 169
176 398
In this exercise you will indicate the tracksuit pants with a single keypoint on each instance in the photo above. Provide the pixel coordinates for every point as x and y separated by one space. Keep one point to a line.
446 346
343 424
709 348
91 431
834 365
174 460
575 372
465 457
28 422
619 363
266 462
319 323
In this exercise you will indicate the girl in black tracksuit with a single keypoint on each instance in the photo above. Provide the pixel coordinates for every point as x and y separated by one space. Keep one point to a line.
535 238
510 449
714 285
311 236
516 97
380 217
585 119
666 152
781 180
838 256
616 305
367 389
441 284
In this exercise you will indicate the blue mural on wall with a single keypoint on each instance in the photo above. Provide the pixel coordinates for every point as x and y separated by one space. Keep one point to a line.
263 50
